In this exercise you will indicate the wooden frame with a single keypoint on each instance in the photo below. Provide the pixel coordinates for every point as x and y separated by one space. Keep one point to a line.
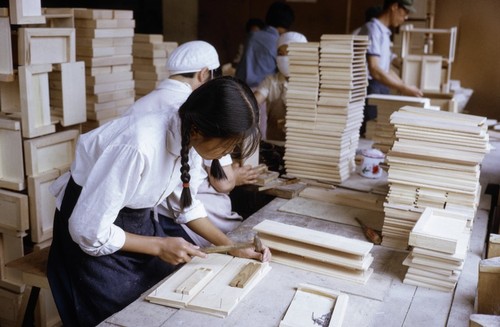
23 12
11 248
488 285
6 65
42 205
71 109
12 168
310 301
35 107
38 46
317 251
50 152
14 213
10 98
203 285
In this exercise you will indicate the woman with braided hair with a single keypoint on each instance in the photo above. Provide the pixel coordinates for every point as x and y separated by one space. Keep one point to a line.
106 249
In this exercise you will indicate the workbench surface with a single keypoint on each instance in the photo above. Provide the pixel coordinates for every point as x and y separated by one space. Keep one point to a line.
383 301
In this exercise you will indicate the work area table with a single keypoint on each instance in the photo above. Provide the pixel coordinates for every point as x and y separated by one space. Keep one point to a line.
383 301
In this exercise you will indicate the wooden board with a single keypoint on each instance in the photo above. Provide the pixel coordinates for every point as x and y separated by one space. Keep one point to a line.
313 305
38 46
23 12
14 213
488 297
212 292
49 152
12 168
6 65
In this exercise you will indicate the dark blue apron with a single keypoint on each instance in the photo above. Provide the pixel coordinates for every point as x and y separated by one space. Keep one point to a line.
370 111
89 289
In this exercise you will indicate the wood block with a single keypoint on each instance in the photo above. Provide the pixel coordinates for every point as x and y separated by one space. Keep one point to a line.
11 169
14 214
194 283
148 38
42 204
6 66
245 275
313 305
35 108
93 13
266 177
46 45
73 107
488 297
23 12
494 246
54 151
479 320
104 33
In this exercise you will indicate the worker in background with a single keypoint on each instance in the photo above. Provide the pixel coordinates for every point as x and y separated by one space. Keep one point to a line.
106 249
273 89
188 67
259 56
380 77
252 25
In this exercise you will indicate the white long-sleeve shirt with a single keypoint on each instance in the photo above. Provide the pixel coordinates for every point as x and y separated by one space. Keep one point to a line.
133 161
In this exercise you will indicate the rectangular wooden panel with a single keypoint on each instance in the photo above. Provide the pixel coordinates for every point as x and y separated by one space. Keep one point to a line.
23 12
14 214
6 66
38 46
11 167
430 78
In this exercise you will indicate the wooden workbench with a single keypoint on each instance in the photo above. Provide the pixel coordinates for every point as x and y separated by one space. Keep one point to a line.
383 301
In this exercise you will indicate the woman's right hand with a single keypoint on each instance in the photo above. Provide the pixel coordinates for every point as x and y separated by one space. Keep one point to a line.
176 250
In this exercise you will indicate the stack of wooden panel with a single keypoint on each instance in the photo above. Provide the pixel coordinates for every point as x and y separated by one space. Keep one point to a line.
440 240
329 142
434 163
150 58
383 134
104 42
317 251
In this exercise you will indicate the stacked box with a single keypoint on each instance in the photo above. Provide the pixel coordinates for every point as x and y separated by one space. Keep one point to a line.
150 59
104 42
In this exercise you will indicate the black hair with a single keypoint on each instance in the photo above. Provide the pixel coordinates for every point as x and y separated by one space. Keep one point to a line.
226 108
388 3
280 14
254 22
373 12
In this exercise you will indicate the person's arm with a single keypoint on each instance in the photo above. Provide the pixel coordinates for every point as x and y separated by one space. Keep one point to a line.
390 78
222 185
244 174
207 230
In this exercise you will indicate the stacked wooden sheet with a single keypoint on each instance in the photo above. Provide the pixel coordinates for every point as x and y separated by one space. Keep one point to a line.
317 251
440 240
322 143
104 42
150 59
383 134
434 163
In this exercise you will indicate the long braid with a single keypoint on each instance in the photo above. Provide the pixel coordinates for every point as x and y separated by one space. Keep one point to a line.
216 170
186 198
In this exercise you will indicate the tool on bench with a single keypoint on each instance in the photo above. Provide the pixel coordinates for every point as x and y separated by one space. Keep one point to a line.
257 244
370 234
279 182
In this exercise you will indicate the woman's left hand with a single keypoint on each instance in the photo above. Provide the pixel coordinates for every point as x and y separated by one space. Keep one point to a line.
264 256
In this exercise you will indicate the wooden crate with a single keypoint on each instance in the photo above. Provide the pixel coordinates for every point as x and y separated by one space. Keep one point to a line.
12 168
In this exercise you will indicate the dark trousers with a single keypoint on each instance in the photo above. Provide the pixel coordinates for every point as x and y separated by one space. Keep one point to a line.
89 289
370 111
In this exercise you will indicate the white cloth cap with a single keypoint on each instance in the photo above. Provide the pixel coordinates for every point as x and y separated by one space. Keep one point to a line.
192 57
291 37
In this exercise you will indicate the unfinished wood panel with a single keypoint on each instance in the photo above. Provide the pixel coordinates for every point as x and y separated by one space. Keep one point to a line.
215 295
430 77
10 303
494 246
10 99
14 214
11 167
194 283
315 306
412 69
24 12
438 232
38 46
35 107
6 66
479 320
42 205
49 152
11 248
59 17
488 296
71 109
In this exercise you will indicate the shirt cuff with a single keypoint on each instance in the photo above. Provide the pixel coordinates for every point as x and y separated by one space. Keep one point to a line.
195 211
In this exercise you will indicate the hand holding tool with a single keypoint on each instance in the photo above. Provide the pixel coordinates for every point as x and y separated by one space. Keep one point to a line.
257 244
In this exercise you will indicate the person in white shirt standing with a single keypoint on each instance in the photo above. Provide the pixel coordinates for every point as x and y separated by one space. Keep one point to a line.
107 249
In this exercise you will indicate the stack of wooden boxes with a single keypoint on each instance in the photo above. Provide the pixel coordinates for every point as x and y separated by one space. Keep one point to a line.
104 42
150 59
434 163
325 137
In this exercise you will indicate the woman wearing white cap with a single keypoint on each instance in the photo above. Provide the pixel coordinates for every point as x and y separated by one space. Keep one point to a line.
107 250
273 88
